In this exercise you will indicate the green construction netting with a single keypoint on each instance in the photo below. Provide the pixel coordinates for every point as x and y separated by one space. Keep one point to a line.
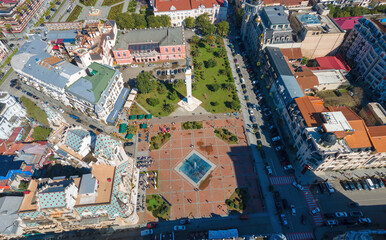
143 126
140 116
148 116
133 117
129 136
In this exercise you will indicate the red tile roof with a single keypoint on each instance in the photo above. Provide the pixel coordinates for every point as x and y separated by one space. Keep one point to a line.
15 147
347 23
306 79
360 138
332 62
14 134
165 5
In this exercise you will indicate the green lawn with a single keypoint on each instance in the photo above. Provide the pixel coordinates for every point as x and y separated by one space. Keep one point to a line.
238 200
213 101
114 11
157 206
74 14
158 110
88 2
110 2
226 135
331 99
6 75
34 111
135 110
41 133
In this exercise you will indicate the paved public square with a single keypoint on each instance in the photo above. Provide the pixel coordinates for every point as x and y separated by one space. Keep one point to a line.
233 168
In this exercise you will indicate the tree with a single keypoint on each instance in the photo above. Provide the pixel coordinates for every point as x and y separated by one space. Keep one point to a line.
172 95
202 21
223 28
196 52
210 63
168 108
209 29
195 39
139 20
213 87
235 105
190 22
161 88
165 21
198 65
210 39
304 61
125 21
233 139
144 83
221 52
152 101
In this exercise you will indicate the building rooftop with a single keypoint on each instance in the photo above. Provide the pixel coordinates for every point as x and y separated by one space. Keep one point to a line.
292 53
143 39
75 138
31 57
310 108
178 5
330 77
347 23
378 137
87 184
339 146
305 78
275 15
308 19
320 23
90 88
332 62
278 60
288 3
335 122
62 34
359 138
9 205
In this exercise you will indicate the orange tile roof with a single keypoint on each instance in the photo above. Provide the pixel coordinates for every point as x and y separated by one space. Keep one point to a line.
292 53
360 138
13 148
311 107
378 137
306 79
165 5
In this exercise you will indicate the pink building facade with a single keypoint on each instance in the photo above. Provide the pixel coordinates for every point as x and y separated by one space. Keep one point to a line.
150 45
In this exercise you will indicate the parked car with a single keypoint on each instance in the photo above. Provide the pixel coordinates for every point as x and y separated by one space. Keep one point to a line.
345 185
351 185
252 118
364 220
92 127
283 219
315 211
285 203
338 93
358 185
250 111
331 222
134 66
341 214
146 232
329 187
151 225
269 170
293 210
184 221
257 134
353 204
179 228
298 186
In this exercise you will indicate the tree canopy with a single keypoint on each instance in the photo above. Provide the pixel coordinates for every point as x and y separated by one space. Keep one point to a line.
144 82
190 22
223 28
348 11
134 20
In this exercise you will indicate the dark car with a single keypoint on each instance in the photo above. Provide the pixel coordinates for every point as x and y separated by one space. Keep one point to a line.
257 134
78 120
285 203
29 94
351 185
158 72
345 185
53 9
184 221
338 93
99 130
252 118
128 144
18 88
92 127
57 3
175 71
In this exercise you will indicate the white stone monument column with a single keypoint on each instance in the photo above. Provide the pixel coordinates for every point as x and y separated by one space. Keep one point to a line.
189 103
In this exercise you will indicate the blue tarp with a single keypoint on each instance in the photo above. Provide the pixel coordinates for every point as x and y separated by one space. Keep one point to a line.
118 106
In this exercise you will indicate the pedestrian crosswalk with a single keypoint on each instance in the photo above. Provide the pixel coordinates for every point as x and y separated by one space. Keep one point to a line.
282 180
300 236
311 202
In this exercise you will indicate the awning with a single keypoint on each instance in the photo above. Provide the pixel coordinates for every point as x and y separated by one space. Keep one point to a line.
129 136
140 116
133 117
118 106
148 116
122 128
143 126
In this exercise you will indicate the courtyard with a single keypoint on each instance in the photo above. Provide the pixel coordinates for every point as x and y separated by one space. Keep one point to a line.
198 171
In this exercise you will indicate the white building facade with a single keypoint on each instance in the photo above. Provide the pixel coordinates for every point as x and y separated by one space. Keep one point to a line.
11 114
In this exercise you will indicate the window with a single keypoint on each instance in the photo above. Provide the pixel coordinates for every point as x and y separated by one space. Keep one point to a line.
166 50
124 54
179 49
173 49
118 54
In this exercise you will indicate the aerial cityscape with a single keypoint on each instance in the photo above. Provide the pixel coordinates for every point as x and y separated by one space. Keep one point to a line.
193 119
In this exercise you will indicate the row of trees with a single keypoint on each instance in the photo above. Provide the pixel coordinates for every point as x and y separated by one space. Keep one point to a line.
337 11
130 21
206 27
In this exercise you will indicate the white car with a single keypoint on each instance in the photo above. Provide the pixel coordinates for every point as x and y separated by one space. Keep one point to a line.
315 211
297 185
134 66
364 220
288 167
293 210
250 111
61 110
269 170
331 222
275 139
179 228
341 214
278 148
284 219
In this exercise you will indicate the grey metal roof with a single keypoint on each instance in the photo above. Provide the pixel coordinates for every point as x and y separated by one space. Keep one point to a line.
290 88
62 34
163 36
9 207
275 15
27 61
87 184
278 61
118 105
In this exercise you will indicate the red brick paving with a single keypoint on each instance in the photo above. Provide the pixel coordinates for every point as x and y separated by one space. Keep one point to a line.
227 158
